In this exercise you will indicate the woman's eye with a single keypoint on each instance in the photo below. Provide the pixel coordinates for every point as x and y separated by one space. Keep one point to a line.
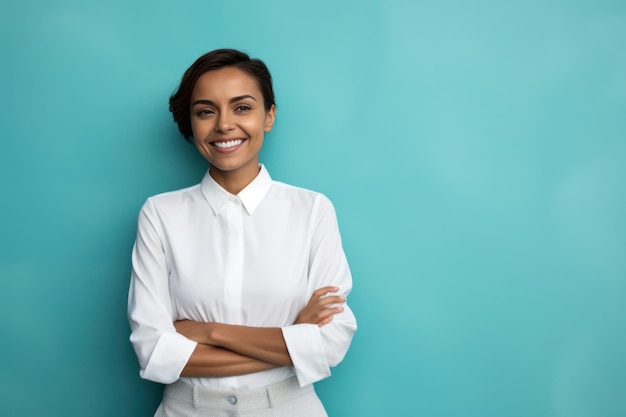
204 112
243 107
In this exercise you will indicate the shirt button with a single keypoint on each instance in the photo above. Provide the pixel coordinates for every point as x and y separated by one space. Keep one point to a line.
232 399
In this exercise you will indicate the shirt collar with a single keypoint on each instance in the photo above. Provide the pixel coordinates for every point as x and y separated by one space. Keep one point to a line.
250 197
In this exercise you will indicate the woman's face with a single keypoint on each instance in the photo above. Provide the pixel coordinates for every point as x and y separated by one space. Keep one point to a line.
228 121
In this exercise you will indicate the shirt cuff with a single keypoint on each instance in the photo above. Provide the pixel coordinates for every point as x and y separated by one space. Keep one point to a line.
304 343
170 355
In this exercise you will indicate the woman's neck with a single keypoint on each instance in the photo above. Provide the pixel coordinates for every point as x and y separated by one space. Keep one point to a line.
234 181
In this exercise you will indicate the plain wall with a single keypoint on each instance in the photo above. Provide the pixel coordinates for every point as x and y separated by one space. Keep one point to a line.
475 153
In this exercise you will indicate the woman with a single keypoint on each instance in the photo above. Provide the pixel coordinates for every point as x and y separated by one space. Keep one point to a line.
238 289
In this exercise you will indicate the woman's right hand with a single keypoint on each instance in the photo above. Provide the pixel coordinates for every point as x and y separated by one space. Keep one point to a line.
321 307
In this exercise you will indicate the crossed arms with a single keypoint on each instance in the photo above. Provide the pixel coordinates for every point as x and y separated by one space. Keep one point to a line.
230 350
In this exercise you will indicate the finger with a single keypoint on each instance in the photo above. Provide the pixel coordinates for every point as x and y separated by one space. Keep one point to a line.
330 300
320 292
324 322
330 318
327 312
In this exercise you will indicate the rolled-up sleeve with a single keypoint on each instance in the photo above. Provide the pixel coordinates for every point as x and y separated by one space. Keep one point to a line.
161 351
314 350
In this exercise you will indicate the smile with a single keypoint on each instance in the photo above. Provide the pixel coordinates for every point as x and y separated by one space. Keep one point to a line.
228 144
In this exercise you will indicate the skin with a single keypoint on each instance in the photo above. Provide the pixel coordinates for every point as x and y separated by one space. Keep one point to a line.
227 109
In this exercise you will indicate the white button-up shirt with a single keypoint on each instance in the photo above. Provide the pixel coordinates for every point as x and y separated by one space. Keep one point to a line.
250 259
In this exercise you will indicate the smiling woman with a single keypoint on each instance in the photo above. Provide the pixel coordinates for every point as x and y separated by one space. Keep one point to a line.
238 292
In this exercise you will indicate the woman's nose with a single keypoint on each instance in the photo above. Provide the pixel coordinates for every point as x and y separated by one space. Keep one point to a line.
224 123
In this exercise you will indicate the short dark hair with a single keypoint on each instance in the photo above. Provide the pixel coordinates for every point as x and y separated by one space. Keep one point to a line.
180 101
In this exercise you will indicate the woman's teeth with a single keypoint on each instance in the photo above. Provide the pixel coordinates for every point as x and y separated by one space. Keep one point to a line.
228 144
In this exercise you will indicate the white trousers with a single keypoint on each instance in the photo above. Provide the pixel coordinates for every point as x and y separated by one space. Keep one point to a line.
283 399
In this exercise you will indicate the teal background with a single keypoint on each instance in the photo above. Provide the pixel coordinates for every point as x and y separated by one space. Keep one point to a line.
475 153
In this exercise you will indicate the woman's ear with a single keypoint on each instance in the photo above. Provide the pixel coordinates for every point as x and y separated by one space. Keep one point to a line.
270 117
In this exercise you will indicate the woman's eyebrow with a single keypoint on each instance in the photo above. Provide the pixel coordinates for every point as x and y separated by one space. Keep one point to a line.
232 100
238 98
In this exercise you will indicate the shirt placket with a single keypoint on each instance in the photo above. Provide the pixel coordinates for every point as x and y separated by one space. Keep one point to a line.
233 274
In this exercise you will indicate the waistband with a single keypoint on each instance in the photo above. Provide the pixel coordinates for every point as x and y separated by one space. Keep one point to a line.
241 400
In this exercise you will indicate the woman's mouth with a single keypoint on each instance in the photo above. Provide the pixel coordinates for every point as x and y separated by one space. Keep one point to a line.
227 145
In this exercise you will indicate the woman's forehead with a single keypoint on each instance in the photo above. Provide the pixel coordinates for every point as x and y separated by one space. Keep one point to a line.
225 83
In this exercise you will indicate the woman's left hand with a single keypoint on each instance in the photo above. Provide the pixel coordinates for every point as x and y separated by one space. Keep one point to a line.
321 307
